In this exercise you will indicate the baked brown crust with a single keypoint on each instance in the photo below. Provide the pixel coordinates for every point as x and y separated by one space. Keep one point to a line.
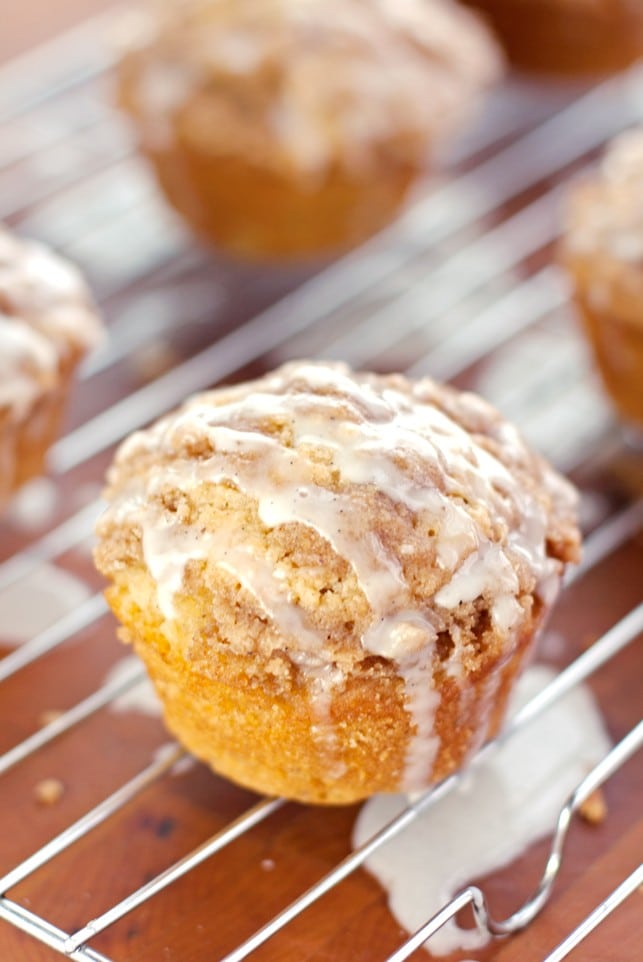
47 324
280 128
333 578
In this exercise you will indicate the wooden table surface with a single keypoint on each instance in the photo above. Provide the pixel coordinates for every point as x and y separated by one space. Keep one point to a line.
224 900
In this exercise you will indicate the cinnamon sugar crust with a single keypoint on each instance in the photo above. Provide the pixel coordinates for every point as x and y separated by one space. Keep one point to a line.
333 578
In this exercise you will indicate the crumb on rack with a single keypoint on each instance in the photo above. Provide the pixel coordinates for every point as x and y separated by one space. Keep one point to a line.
594 808
49 791
48 716
151 361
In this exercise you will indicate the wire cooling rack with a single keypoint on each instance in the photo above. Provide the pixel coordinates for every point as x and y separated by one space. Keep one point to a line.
146 855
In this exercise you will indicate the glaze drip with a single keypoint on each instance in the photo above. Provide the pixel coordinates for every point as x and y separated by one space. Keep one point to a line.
491 818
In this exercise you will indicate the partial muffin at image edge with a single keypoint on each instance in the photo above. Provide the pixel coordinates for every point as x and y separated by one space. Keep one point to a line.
279 129
602 251
48 323
334 578
567 36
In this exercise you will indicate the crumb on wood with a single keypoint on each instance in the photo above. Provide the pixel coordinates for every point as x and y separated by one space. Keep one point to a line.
49 791
594 808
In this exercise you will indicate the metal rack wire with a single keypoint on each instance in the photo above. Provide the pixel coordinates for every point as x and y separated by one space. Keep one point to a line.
463 278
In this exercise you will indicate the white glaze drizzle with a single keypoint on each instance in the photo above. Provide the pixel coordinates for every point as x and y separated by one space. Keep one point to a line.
485 571
169 546
422 701
322 679
364 452
27 360
496 813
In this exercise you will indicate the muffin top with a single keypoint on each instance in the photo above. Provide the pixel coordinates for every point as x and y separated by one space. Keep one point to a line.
305 84
365 514
46 318
605 213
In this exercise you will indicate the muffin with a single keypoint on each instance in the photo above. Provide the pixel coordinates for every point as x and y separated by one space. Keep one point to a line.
333 578
568 36
602 249
283 128
47 324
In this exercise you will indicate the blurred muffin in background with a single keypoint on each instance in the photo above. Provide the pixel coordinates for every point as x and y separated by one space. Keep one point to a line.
568 36
603 252
47 324
281 128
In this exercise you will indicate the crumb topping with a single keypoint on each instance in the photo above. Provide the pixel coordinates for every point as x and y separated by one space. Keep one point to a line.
427 496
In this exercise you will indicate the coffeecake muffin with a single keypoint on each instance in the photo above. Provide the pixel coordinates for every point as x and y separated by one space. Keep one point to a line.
292 127
47 324
568 36
602 250
333 578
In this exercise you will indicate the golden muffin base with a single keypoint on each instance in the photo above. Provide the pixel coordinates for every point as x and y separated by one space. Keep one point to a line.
618 352
617 345
267 736
565 36
258 213
609 301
